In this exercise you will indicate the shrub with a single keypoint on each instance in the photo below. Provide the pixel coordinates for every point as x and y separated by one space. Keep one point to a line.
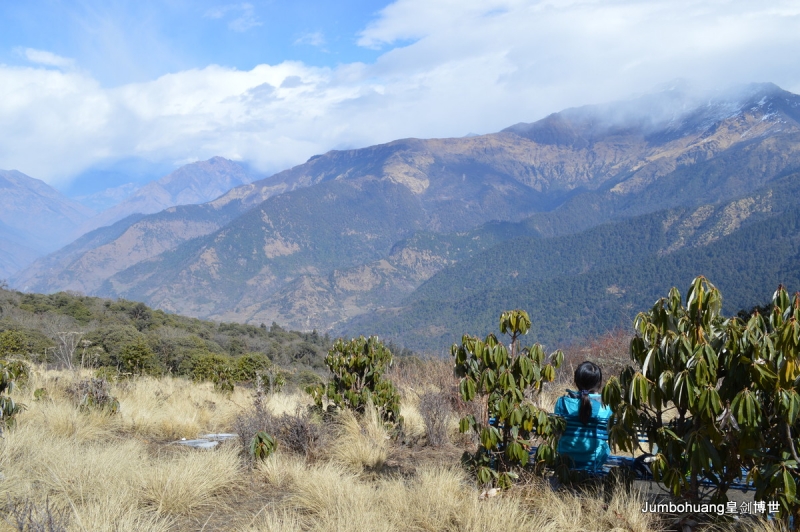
112 340
11 373
262 445
12 343
93 394
247 366
41 394
272 380
714 394
214 368
358 367
138 359
297 433
141 316
502 379
435 409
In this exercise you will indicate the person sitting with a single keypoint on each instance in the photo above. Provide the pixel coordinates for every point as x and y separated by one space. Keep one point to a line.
585 439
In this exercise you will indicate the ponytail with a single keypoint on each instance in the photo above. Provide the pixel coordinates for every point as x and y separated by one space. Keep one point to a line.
588 377
585 409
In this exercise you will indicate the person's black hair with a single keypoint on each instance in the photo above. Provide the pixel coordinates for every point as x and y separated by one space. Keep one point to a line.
588 377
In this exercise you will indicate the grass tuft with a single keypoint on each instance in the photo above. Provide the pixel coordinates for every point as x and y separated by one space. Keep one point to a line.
190 480
361 443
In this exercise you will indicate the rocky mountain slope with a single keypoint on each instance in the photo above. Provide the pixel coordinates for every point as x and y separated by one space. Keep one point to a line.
352 231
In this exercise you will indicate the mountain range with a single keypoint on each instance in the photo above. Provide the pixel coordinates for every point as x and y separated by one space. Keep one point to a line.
190 184
37 219
409 238
34 219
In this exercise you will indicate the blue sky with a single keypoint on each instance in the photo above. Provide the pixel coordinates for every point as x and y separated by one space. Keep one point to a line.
133 41
85 84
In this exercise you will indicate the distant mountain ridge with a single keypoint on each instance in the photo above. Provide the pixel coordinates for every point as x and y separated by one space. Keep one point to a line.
351 232
38 219
190 184
34 219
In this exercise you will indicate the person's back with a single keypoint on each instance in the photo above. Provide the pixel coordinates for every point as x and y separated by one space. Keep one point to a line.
585 439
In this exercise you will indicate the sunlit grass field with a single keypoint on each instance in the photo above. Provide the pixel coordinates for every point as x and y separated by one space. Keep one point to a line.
67 469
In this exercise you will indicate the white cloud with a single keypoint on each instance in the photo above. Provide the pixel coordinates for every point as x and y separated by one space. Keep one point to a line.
244 19
312 39
448 68
42 57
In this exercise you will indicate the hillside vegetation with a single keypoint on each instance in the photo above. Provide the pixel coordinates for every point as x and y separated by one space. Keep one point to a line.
71 468
591 282
126 337
89 453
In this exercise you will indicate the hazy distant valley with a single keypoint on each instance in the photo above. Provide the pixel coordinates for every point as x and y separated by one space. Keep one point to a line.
583 218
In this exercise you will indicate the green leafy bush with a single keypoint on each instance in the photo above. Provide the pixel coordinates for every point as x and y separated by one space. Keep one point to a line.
41 394
271 380
358 367
11 343
138 359
714 394
11 373
262 445
215 368
506 381
249 365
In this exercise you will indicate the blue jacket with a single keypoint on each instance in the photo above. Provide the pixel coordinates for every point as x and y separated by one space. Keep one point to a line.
587 445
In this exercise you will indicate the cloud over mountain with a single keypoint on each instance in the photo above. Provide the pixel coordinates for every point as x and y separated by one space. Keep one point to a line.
444 68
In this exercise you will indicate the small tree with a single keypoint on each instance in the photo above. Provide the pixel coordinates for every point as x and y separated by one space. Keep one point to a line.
714 395
358 367
767 403
138 359
507 382
676 350
218 369
248 366
11 343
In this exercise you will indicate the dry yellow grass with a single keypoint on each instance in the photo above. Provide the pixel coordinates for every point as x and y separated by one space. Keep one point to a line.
183 483
170 409
360 443
329 496
287 403
268 521
121 473
413 424
99 466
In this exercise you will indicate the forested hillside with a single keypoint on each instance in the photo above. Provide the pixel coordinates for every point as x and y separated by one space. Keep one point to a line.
129 337
589 283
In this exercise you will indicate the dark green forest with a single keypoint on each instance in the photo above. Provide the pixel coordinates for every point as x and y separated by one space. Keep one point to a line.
586 284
